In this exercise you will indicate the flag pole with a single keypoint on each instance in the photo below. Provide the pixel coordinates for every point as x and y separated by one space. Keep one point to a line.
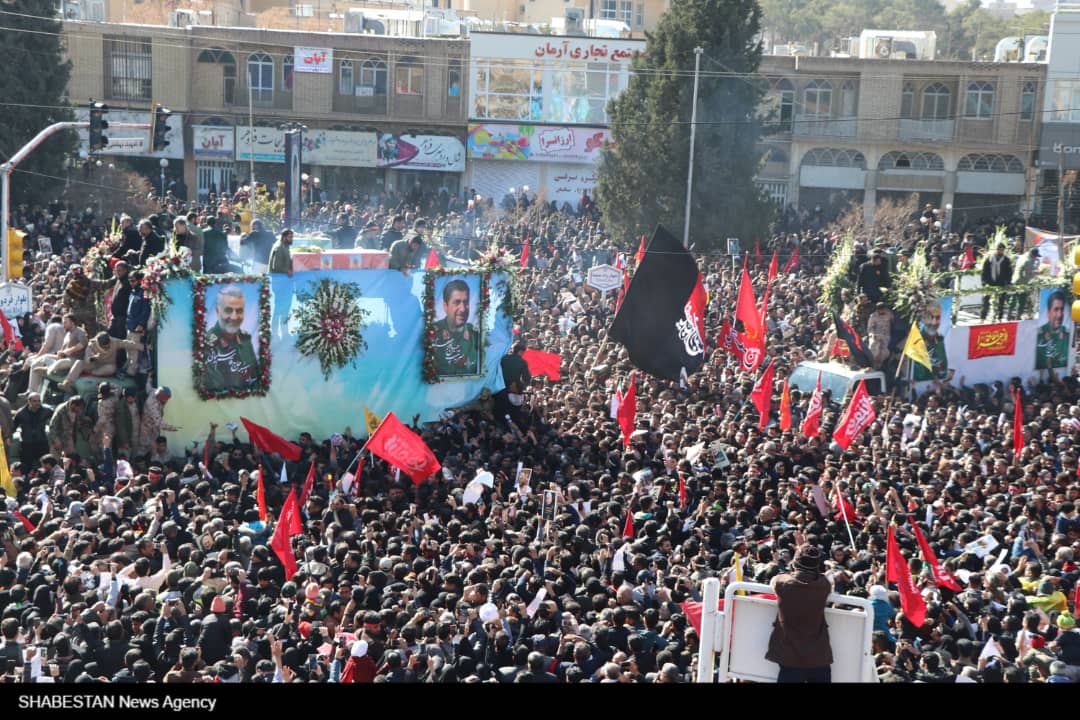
843 514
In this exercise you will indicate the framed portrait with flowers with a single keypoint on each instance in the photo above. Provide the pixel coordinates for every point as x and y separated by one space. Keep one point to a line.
231 336
454 309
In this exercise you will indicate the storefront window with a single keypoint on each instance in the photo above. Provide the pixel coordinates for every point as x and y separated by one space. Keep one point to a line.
575 93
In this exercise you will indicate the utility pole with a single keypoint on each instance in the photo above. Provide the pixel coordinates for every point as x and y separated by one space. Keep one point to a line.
693 132
251 142
1061 200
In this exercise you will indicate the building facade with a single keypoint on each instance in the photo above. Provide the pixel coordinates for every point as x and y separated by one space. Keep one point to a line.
961 136
381 112
1057 197
538 112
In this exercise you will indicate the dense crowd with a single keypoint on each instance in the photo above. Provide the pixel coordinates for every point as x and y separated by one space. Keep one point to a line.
128 560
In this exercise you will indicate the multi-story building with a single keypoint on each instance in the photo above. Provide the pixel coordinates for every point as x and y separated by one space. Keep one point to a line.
1057 198
381 112
960 135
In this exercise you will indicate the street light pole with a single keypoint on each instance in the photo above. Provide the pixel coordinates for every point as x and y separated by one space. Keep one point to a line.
693 132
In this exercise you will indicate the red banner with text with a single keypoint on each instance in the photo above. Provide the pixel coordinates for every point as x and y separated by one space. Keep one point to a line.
991 340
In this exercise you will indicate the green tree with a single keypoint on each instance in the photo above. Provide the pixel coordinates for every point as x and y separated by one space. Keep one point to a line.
642 180
34 92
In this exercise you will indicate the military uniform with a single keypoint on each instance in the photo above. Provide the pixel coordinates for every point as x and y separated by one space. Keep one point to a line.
231 363
456 352
1051 347
935 348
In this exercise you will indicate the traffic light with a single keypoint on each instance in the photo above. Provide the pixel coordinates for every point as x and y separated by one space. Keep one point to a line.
97 124
159 128
15 253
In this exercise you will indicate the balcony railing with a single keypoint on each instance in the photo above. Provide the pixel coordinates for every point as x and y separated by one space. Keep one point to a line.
941 130
809 125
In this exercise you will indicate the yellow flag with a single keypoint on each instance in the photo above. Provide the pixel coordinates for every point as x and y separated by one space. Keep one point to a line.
5 473
738 571
915 348
371 420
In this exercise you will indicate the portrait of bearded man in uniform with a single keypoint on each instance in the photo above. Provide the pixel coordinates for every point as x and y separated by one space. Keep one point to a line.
457 342
230 360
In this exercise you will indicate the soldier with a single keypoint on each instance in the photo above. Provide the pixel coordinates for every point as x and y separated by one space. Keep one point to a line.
1027 267
100 359
457 343
1052 338
230 360
879 329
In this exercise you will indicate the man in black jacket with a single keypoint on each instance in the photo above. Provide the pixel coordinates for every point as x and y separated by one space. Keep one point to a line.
392 234
997 271
130 240
152 244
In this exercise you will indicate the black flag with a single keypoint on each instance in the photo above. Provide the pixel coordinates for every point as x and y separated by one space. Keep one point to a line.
662 317
850 335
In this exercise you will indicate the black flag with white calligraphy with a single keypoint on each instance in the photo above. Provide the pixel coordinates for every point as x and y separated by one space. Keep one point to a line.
661 321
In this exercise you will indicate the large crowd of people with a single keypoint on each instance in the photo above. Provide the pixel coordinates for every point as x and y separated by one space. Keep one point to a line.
126 559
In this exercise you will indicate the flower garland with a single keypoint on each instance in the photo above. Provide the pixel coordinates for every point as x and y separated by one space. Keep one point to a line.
330 322
430 375
499 261
836 277
96 260
173 263
198 334
915 288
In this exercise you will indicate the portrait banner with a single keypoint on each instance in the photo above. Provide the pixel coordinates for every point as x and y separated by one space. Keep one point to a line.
231 336
455 308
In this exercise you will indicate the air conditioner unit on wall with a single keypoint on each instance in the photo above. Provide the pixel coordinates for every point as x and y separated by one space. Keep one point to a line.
303 10
883 48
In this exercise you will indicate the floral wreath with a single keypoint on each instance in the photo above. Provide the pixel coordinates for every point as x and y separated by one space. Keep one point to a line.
199 341
330 323
430 375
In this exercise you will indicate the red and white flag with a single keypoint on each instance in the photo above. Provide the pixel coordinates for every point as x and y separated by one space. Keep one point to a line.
525 252
403 449
309 484
942 577
628 526
640 252
432 261
857 417
288 524
682 491
10 336
969 258
750 342
896 570
811 424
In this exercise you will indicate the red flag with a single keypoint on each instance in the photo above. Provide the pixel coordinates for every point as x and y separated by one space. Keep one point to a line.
682 491
942 577
793 261
811 424
752 337
403 449
288 524
432 260
628 527
543 363
627 412
694 316
969 258
757 251
309 484
260 496
768 286
761 395
843 508
772 267
785 407
1018 424
640 252
10 337
525 252
896 570
267 441
727 339
857 417
22 518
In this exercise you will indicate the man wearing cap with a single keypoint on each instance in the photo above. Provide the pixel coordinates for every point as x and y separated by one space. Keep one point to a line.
100 359
369 237
229 357
799 643
1052 337
344 235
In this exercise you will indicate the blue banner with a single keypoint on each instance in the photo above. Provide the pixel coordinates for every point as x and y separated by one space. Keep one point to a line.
387 375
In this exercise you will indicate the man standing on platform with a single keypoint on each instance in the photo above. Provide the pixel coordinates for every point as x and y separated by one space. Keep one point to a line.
799 643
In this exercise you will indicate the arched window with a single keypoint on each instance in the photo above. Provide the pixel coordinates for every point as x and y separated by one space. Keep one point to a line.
261 77
784 92
817 99
935 102
373 75
287 73
847 99
409 76
979 103
990 163
907 101
897 160
228 70
346 86
835 157
1028 92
